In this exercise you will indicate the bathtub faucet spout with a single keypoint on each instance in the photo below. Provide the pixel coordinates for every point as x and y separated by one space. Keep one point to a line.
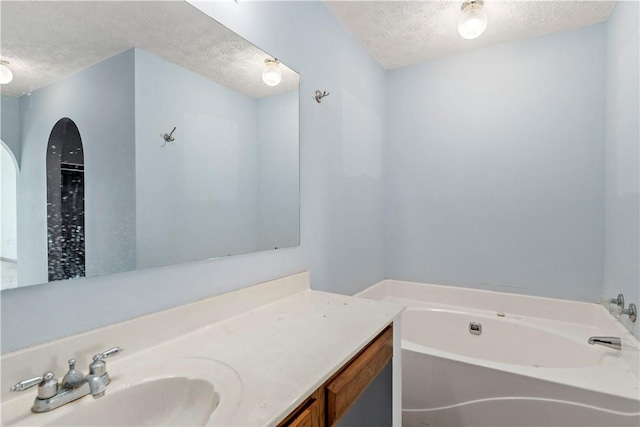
611 342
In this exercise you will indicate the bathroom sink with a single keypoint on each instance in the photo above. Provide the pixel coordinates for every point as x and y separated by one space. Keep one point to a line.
153 403
168 392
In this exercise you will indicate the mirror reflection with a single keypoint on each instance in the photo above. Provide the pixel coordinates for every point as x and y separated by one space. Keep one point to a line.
124 146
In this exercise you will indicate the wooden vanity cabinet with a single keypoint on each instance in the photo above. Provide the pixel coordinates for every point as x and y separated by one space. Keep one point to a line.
329 403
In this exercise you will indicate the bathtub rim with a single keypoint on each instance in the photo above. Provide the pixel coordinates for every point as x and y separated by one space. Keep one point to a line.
572 311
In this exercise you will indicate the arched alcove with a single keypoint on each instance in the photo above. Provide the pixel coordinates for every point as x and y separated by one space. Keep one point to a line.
65 202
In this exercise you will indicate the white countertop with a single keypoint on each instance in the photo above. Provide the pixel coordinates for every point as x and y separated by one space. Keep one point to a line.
282 350
286 350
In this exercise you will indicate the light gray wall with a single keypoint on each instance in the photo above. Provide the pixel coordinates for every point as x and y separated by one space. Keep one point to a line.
341 208
278 217
495 168
10 124
99 100
197 196
622 269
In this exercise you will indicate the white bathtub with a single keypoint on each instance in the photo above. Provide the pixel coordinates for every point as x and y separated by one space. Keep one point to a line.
530 366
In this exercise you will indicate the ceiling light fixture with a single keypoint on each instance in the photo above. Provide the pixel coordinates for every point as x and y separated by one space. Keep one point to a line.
271 74
5 73
473 21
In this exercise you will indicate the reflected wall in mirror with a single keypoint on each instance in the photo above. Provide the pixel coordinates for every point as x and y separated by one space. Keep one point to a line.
139 134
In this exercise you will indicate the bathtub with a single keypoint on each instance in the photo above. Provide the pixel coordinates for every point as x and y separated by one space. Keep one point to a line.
530 365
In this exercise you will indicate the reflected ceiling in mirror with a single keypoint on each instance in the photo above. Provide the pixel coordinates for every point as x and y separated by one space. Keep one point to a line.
140 134
45 41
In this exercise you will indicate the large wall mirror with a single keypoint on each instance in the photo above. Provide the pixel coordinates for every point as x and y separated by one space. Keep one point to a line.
138 134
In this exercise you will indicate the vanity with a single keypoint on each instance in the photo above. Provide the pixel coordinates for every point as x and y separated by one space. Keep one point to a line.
276 354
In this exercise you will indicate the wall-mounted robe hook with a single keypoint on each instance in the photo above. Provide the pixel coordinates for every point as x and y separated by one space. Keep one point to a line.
168 137
320 95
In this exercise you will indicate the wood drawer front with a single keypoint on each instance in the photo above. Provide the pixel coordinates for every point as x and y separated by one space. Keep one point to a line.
304 419
308 414
346 386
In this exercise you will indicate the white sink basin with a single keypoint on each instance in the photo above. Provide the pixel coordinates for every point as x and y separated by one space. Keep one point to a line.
167 392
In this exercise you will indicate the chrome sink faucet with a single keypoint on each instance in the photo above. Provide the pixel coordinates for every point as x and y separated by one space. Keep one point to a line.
74 385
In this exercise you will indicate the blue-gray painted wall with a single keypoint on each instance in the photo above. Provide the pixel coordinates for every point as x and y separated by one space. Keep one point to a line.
495 168
622 154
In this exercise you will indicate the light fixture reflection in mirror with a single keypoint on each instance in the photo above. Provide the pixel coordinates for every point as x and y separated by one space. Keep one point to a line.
271 74
227 185
5 73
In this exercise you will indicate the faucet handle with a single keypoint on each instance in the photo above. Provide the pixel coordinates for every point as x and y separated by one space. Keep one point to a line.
98 366
619 301
632 312
111 352
47 385
25 384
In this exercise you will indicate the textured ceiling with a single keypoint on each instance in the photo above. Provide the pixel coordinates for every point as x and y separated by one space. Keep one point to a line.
399 33
45 41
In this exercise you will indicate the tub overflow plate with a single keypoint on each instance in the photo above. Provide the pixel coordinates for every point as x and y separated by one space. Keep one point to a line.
475 328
